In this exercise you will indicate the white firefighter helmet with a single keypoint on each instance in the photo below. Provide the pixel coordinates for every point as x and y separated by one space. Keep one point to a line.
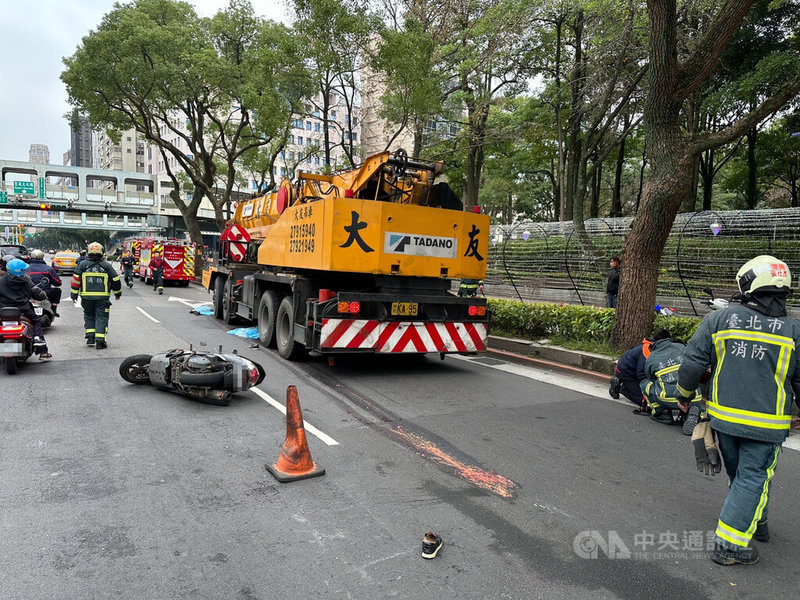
95 248
764 273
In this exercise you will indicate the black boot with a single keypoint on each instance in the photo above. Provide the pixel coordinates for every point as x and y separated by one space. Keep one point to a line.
762 532
101 345
616 384
691 420
90 340
727 557
664 417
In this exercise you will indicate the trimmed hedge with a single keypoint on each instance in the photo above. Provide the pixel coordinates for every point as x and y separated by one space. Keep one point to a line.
531 320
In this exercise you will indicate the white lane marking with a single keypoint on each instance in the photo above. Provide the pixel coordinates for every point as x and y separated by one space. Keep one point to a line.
793 442
324 437
188 303
589 388
153 319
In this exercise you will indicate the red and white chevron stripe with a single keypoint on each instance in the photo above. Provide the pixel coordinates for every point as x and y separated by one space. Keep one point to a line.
402 336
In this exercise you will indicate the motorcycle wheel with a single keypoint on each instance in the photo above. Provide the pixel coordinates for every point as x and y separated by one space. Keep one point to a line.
11 365
213 379
134 369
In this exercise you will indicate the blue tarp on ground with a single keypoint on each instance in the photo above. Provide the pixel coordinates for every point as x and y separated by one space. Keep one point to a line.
203 309
245 332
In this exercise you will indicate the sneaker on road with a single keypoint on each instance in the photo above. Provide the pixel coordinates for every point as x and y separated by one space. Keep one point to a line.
727 557
691 420
45 356
431 544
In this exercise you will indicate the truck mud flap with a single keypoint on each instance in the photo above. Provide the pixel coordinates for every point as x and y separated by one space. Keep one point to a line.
401 336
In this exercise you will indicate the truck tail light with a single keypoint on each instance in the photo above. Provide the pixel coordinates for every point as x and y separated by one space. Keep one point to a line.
349 307
476 311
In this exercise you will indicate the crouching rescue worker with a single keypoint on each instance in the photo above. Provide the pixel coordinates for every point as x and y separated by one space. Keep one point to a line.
753 350
17 290
93 281
660 386
629 373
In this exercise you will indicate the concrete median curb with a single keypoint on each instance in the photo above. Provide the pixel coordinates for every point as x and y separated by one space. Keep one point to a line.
586 365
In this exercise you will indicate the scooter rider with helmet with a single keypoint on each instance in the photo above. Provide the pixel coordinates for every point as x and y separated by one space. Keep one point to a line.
41 271
752 348
17 290
94 280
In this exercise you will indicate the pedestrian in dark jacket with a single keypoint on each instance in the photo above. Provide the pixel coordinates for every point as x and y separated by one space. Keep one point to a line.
612 287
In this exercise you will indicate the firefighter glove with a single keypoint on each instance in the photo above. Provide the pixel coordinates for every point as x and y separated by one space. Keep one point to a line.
705 449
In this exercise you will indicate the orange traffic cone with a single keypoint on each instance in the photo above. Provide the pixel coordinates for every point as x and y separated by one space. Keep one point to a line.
295 460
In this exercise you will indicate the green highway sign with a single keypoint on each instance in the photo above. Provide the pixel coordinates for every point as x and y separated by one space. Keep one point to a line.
23 187
41 188
3 197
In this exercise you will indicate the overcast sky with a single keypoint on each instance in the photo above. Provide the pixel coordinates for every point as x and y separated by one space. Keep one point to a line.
35 35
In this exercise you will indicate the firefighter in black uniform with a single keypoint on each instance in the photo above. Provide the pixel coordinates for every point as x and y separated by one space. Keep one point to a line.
126 261
94 280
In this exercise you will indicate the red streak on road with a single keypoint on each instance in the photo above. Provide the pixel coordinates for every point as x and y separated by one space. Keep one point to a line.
497 484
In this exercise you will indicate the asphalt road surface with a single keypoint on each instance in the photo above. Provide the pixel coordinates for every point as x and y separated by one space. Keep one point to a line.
540 485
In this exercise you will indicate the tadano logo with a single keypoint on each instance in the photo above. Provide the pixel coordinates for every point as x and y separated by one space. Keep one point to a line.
420 245
589 544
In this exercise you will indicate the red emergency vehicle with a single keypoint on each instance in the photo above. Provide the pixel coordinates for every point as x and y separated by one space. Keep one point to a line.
178 258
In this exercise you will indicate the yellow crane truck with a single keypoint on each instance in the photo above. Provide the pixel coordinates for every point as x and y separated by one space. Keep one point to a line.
355 262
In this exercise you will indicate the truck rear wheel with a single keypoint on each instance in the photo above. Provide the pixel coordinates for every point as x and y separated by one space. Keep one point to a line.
267 309
219 283
288 347
227 302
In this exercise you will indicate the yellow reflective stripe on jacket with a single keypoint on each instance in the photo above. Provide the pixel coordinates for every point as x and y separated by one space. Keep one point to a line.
753 336
780 376
748 417
787 348
662 395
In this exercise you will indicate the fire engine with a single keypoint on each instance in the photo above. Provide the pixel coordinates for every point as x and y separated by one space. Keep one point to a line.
179 259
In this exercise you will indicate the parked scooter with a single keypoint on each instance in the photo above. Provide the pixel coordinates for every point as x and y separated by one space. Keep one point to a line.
205 376
16 338
715 303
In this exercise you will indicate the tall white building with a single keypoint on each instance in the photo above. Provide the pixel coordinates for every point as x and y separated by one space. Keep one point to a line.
127 155
39 153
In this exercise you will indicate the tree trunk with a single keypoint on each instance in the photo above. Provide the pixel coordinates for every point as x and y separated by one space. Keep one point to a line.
616 194
190 216
751 194
663 194
477 130
641 176
597 177
418 128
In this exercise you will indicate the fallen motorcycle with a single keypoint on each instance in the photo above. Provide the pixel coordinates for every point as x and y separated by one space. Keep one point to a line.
205 376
